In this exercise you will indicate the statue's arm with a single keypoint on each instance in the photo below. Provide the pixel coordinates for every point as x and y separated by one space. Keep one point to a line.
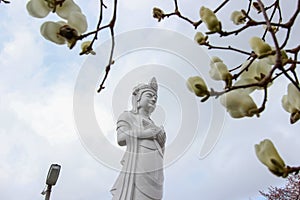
149 133
125 128
122 132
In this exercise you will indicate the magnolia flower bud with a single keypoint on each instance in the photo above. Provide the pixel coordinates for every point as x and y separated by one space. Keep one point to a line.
38 8
50 30
215 59
210 19
268 155
274 28
291 103
78 21
294 95
197 85
238 17
158 13
67 7
200 38
260 47
286 104
85 48
239 104
256 6
218 70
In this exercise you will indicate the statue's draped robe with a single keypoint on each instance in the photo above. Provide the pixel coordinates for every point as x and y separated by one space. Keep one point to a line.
142 176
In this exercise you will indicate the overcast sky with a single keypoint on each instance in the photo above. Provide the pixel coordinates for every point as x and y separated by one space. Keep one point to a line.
37 117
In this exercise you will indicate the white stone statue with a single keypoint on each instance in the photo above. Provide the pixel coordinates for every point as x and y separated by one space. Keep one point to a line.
142 176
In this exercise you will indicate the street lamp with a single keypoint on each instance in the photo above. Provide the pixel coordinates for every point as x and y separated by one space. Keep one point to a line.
52 177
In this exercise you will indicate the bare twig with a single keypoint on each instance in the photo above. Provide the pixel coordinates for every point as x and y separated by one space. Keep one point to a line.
110 61
209 46
4 1
278 63
194 23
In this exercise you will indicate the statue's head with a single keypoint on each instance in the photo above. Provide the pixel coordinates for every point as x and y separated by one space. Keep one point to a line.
145 95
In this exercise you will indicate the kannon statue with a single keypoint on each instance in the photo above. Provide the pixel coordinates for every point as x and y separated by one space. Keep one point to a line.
142 175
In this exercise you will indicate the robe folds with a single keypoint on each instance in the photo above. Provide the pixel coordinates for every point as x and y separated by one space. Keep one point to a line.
142 175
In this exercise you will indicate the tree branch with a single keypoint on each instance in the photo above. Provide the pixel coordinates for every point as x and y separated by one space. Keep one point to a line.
110 61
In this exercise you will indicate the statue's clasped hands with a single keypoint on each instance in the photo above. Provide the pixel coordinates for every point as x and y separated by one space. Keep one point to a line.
161 136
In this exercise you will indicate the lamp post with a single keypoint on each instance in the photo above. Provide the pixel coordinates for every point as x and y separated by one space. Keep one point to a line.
52 177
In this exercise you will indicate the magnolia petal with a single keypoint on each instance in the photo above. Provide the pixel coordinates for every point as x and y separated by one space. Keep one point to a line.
268 155
200 38
246 81
272 58
238 104
67 7
215 59
218 70
237 17
210 19
288 107
38 8
294 96
251 70
78 21
260 47
263 67
50 30
197 85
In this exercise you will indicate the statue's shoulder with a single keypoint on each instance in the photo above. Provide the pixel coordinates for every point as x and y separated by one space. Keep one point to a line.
127 116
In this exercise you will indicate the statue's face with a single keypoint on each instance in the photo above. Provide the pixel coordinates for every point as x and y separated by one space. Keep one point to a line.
148 101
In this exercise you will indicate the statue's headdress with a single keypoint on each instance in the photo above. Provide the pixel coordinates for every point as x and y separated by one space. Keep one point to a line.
140 89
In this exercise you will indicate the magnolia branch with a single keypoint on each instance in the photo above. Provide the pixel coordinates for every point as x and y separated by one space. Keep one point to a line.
98 29
110 61
194 23
278 63
209 46
4 1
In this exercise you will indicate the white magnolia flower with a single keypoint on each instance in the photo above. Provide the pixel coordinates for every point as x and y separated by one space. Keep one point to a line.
260 47
294 96
38 8
59 33
250 72
246 81
197 85
291 103
239 104
255 70
268 155
41 8
238 17
218 70
67 7
210 19
200 38
50 31
78 21
286 104
263 68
